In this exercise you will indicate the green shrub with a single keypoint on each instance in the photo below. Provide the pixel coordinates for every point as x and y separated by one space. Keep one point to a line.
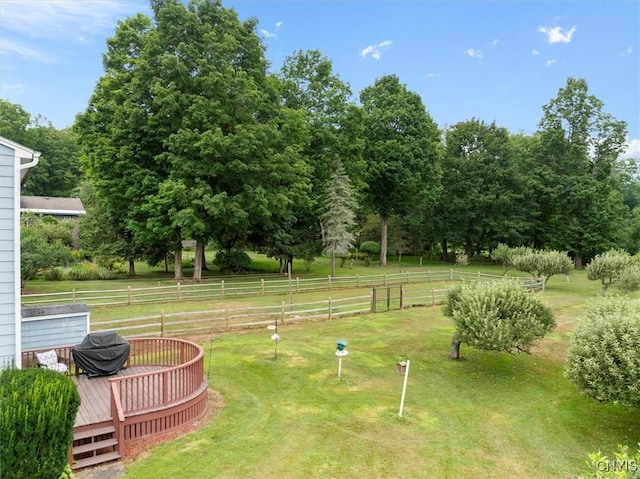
543 264
603 359
608 267
498 316
623 465
83 272
67 473
629 279
54 274
232 261
370 248
37 412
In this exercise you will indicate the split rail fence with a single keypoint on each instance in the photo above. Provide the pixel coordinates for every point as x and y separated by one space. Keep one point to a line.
387 292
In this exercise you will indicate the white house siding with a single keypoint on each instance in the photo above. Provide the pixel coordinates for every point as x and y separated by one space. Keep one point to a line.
9 290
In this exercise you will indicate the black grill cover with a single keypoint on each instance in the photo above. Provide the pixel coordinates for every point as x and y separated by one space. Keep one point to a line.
101 354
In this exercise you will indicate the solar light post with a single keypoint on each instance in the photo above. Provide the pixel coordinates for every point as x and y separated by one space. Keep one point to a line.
275 337
341 352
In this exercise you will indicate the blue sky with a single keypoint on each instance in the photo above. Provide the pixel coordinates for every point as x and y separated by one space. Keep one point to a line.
492 60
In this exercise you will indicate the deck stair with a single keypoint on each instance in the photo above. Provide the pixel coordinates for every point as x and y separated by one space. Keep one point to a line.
94 444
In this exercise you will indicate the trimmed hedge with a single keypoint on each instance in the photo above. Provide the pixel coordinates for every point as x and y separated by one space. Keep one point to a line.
37 411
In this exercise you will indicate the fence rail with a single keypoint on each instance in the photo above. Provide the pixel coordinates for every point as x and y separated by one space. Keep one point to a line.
399 296
235 287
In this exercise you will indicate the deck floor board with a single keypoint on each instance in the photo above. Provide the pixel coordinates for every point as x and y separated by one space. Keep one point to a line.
95 396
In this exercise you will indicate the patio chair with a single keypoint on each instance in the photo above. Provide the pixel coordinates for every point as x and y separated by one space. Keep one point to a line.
49 360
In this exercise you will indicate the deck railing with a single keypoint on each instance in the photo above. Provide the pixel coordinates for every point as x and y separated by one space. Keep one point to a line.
152 403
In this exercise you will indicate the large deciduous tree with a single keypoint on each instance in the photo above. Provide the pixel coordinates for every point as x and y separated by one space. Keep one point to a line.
185 135
334 139
579 146
58 171
402 153
481 203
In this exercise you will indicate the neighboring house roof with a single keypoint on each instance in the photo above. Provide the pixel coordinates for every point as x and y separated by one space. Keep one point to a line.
46 205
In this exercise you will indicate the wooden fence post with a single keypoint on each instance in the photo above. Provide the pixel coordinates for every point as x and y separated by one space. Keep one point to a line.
178 291
329 282
297 284
373 300
222 288
329 307
129 295
401 297
162 323
358 280
282 314
73 295
226 316
433 296
384 279
262 286
450 275
407 277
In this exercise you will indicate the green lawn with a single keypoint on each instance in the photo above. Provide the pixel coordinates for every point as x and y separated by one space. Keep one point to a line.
492 415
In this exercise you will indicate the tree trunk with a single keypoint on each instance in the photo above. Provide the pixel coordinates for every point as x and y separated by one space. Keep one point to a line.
577 261
132 268
384 223
445 251
197 260
333 263
178 273
454 352
204 259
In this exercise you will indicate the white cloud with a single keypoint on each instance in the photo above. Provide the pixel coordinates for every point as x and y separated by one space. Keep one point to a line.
10 47
278 25
628 51
12 86
551 62
433 75
555 35
64 18
268 34
375 51
633 149
474 53
535 52
495 42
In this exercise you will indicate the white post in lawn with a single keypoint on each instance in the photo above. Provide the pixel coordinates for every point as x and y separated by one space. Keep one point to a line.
341 352
404 388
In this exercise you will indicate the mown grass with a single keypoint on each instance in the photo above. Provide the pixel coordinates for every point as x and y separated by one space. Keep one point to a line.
492 415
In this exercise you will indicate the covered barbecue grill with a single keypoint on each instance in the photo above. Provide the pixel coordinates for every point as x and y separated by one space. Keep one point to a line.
101 354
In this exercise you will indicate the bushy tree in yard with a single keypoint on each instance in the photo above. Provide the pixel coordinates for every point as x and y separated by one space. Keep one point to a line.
369 248
608 267
603 359
629 280
543 264
504 254
44 243
37 410
498 316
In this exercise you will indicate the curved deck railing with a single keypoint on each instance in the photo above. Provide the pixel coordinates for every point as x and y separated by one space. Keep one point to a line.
148 404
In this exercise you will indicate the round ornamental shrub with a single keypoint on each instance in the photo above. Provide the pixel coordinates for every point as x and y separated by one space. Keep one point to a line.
603 359
370 248
498 316
37 411
232 261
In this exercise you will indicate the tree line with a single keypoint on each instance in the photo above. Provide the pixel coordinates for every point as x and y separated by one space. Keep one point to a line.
189 136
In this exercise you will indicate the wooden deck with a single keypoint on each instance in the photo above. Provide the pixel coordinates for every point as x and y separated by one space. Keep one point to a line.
95 396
